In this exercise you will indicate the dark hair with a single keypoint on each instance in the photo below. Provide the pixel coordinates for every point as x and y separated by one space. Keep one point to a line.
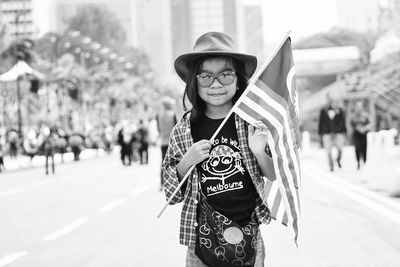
191 89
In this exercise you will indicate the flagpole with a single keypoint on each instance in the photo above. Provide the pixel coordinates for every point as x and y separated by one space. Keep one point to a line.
252 81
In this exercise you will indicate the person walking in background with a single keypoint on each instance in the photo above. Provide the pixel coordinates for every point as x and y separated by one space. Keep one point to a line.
332 129
2 168
166 120
75 141
125 140
360 126
13 140
49 142
227 180
143 133
30 144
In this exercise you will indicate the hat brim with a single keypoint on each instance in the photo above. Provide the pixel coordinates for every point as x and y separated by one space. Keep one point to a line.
182 62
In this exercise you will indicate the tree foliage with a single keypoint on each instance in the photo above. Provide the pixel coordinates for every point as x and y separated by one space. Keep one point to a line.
99 23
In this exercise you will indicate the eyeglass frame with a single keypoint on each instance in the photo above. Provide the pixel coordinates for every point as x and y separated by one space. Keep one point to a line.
216 76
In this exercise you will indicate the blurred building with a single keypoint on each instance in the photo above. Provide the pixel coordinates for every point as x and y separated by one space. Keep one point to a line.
240 19
164 29
16 18
358 15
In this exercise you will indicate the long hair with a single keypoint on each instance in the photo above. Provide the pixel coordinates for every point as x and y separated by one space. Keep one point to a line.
191 89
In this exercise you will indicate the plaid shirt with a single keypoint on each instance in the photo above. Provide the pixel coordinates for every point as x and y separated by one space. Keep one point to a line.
180 142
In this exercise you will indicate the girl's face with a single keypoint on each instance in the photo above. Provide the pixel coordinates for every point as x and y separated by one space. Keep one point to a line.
217 95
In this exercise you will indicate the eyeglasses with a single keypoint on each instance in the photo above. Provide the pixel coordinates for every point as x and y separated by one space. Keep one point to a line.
224 78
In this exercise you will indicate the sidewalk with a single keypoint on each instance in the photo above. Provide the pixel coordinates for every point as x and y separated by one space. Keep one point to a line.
381 176
24 162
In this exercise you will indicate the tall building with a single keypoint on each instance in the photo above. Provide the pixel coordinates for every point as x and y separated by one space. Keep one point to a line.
358 15
190 19
250 27
16 18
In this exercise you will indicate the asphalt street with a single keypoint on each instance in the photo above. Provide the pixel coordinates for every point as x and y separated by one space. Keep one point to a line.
96 213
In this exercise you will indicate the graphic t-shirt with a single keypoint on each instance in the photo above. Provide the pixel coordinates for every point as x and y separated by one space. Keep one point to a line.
224 179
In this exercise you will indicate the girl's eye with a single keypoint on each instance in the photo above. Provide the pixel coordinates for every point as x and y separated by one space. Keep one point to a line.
204 76
226 74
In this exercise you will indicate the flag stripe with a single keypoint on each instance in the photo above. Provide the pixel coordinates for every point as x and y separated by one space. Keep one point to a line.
282 171
285 103
267 186
285 220
277 202
271 196
278 112
262 98
245 112
273 100
277 130
267 98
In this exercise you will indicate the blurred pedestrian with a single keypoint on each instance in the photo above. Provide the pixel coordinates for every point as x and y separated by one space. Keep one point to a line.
360 126
166 120
13 140
332 130
49 141
143 133
226 185
75 142
1 156
107 139
30 144
125 140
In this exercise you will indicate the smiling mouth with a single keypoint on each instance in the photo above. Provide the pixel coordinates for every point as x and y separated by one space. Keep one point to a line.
217 94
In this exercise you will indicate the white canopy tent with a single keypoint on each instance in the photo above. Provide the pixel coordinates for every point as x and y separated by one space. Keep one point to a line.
21 68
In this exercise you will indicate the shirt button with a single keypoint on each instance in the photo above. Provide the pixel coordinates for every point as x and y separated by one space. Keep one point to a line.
195 201
187 130
196 224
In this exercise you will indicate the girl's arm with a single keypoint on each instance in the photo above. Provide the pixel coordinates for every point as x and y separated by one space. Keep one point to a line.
176 164
257 144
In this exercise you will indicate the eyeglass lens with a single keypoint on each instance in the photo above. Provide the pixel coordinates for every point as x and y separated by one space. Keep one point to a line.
225 78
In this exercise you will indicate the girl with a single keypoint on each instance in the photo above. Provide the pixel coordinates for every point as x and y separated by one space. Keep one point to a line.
228 178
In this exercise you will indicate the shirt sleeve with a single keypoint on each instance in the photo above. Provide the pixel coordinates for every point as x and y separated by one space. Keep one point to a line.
172 157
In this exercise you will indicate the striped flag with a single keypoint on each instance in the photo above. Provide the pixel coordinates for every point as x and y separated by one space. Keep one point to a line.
272 99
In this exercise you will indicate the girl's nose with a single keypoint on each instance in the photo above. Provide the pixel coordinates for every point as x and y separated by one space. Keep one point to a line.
216 84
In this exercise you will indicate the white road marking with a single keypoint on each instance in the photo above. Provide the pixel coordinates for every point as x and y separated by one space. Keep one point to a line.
138 190
43 183
66 229
11 192
143 188
112 205
11 258
367 199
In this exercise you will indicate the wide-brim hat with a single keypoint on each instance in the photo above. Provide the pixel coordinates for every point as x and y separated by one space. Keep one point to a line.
214 44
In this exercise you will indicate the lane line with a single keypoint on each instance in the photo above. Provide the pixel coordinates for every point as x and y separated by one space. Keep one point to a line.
141 189
357 196
43 183
112 205
11 192
66 229
375 196
138 190
11 258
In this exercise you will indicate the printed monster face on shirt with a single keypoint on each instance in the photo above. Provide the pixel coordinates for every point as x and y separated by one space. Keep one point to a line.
224 179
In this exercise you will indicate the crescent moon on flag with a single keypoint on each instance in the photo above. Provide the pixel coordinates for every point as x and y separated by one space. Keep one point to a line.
292 91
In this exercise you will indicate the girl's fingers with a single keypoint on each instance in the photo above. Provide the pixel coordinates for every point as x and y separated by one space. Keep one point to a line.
251 129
